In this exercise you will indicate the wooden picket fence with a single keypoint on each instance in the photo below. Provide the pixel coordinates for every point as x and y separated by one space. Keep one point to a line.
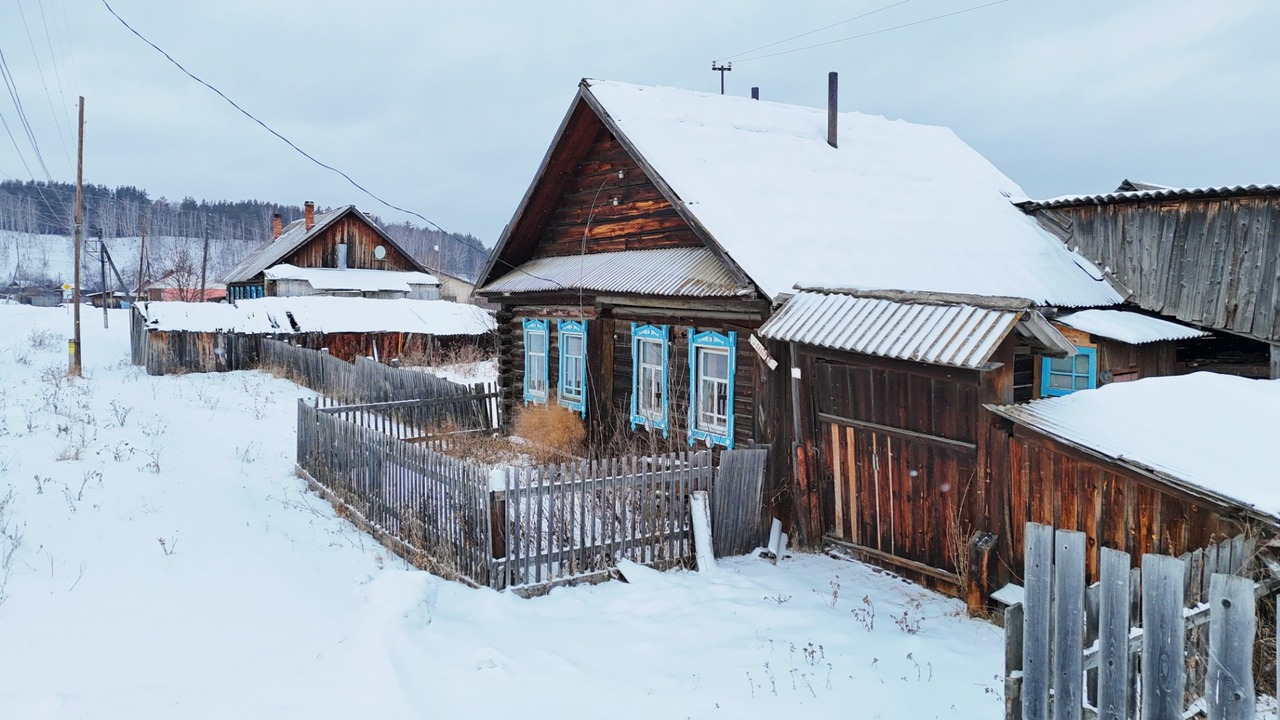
360 382
1170 639
526 528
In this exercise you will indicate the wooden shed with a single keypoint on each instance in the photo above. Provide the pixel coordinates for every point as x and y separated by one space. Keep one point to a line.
1160 465
1205 256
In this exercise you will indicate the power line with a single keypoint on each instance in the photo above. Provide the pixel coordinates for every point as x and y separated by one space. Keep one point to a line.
874 32
48 38
12 84
62 137
811 32
302 152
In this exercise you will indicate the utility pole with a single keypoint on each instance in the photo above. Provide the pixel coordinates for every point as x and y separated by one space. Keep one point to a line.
722 69
142 256
75 293
204 257
102 261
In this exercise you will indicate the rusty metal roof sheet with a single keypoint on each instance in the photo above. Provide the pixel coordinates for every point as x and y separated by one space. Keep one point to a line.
954 334
694 272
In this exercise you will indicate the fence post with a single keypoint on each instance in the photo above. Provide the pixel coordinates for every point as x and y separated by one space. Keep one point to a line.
1228 690
1036 626
1113 636
1068 624
1163 637
1013 662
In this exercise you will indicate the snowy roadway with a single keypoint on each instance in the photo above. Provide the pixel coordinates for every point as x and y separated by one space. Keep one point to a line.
170 565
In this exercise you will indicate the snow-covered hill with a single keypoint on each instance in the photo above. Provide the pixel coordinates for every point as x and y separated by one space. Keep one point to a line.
159 559
52 257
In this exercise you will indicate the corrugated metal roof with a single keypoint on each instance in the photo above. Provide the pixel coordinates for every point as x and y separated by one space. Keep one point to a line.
1130 327
957 335
695 272
1153 194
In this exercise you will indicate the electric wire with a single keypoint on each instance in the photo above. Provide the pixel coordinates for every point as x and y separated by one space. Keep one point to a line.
44 83
12 85
304 153
811 32
57 74
874 32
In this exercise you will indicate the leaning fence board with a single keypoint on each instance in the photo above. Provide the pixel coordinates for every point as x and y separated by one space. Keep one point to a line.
1036 622
1229 686
1113 636
1163 637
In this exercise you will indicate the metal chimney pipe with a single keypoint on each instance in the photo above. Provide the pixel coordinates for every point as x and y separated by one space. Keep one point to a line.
342 256
833 109
755 93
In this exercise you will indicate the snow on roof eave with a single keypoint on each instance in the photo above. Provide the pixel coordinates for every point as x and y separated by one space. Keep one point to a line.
1129 327
1010 413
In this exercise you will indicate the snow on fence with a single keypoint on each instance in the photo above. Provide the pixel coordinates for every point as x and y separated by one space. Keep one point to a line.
524 528
1171 639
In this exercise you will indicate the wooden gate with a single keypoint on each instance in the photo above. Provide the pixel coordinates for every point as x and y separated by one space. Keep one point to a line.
896 495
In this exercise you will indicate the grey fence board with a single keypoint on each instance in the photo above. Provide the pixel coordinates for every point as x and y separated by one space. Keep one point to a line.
1036 622
1068 623
1163 638
1229 692
737 517
1113 636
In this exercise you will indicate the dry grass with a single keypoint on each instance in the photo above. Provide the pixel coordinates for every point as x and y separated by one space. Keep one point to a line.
553 430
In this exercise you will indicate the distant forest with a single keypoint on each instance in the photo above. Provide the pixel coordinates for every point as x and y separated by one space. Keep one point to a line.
46 208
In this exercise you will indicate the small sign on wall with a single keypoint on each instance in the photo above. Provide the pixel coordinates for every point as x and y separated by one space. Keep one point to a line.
764 354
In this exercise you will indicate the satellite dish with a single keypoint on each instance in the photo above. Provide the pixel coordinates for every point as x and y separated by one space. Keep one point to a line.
379 252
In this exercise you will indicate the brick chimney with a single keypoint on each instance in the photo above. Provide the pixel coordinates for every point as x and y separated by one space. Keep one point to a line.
309 209
277 225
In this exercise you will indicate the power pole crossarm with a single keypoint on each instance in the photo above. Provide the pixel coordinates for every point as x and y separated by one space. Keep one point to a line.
722 69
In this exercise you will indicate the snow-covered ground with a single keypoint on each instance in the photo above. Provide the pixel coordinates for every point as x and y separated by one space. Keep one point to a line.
171 565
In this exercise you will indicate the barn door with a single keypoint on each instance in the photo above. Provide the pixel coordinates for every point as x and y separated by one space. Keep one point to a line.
893 493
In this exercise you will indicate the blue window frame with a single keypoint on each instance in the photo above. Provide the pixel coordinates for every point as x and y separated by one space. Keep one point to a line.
572 387
1063 376
712 363
649 377
535 361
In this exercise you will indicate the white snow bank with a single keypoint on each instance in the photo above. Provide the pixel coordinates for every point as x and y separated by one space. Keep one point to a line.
321 314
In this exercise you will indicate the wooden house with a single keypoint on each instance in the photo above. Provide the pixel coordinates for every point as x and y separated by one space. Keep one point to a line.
316 254
1205 256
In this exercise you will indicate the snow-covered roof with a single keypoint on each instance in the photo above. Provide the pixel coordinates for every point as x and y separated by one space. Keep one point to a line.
897 206
319 314
352 278
294 236
1129 327
1208 431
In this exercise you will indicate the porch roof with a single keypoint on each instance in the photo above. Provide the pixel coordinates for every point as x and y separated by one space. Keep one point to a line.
1129 327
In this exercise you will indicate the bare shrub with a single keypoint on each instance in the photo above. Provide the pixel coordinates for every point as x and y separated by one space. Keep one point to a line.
41 339
552 429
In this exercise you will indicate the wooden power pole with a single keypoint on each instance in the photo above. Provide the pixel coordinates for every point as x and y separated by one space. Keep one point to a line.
142 257
204 257
75 291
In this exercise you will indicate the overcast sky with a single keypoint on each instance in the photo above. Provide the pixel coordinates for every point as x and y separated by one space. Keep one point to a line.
447 108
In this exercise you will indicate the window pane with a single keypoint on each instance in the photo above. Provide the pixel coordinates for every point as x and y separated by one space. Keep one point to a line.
1060 365
650 352
1060 382
1082 382
713 363
573 345
537 342
1082 364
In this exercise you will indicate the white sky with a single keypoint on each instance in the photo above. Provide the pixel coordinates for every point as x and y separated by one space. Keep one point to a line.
448 108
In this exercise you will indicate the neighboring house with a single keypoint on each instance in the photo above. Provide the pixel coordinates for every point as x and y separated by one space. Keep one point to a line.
1162 465
1205 256
339 239
459 289
176 286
